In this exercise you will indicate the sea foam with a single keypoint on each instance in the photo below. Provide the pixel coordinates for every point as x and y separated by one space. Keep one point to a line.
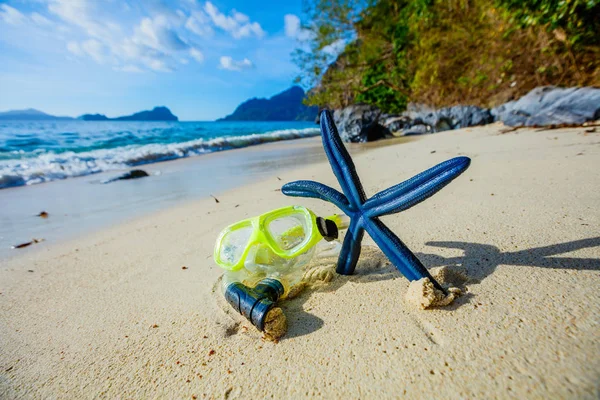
41 166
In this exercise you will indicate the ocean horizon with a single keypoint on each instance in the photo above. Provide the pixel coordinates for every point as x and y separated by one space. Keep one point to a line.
34 152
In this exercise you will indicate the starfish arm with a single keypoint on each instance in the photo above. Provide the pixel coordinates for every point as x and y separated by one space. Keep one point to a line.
340 160
318 191
418 188
397 252
350 251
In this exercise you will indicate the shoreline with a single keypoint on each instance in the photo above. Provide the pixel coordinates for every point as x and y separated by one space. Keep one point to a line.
82 205
520 223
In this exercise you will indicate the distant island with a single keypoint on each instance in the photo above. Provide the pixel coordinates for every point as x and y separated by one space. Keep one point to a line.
30 114
285 106
156 114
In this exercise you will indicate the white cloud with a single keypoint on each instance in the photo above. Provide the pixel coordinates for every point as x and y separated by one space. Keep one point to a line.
293 28
74 48
85 15
158 65
292 25
11 15
199 23
237 24
40 20
196 54
158 34
154 43
129 68
335 48
94 49
230 64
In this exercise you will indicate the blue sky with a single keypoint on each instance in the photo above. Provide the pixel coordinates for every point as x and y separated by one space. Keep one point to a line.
114 57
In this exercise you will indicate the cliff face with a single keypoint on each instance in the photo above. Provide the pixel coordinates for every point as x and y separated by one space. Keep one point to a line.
285 106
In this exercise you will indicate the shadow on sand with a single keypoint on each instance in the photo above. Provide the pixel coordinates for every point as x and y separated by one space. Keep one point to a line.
479 260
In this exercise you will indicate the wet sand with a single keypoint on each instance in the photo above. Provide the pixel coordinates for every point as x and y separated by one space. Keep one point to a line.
82 205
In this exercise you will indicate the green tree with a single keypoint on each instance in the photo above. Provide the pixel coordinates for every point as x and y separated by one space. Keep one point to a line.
445 52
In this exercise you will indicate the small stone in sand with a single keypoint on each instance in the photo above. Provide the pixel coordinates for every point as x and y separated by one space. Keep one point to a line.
275 324
423 294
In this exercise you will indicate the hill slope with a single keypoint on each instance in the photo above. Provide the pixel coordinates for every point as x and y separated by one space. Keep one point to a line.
156 114
29 114
285 106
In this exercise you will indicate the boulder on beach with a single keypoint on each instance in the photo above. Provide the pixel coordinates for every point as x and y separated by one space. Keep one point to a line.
133 174
543 106
363 123
446 118
360 123
551 106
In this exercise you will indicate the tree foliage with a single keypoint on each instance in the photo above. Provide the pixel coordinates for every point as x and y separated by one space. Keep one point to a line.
445 52
577 20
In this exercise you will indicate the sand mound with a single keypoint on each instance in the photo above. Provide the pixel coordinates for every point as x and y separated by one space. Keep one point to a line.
424 294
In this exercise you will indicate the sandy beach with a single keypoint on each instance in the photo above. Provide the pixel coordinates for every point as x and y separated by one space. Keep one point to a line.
113 314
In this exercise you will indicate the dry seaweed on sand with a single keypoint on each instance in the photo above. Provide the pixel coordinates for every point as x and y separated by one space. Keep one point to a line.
26 244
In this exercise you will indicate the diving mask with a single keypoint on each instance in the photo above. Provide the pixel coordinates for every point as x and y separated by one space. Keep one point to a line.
274 237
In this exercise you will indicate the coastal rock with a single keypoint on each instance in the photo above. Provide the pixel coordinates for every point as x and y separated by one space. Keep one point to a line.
395 123
549 105
543 106
448 118
416 129
133 174
363 123
360 123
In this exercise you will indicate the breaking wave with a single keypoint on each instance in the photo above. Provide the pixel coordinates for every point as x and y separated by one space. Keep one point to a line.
41 166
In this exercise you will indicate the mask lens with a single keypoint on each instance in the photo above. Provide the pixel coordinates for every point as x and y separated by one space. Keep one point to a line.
290 232
233 245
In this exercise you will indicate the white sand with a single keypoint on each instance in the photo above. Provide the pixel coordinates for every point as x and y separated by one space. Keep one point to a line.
114 315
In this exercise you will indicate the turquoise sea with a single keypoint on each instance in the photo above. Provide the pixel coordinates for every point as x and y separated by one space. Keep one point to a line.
40 151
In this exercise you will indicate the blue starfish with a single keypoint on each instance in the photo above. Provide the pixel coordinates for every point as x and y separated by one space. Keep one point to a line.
364 213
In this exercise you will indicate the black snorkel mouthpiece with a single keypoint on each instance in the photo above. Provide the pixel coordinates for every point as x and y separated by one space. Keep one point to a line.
327 228
254 303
